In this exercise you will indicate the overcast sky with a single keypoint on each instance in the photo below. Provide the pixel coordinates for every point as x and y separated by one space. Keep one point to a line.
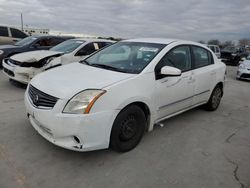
185 19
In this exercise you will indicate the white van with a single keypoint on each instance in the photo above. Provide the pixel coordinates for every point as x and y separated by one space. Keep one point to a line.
9 35
215 49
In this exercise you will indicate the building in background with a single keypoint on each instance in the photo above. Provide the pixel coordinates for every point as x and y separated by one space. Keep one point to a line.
35 31
78 35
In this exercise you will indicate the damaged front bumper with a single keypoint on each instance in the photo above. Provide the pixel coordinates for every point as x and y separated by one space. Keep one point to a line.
78 132
19 74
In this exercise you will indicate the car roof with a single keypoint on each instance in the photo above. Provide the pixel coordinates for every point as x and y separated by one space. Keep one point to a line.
53 36
153 40
93 39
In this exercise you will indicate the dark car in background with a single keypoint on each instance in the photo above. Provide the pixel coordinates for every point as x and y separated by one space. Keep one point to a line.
10 35
31 43
232 55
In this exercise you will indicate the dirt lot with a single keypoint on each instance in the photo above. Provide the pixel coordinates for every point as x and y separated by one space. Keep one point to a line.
194 149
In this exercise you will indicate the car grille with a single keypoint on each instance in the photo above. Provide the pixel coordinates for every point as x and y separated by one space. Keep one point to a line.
9 72
245 76
41 99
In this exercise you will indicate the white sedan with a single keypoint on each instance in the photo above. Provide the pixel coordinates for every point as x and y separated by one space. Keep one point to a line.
244 69
24 66
112 97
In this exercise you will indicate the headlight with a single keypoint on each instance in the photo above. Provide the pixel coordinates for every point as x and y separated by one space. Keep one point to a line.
49 60
242 66
1 52
82 102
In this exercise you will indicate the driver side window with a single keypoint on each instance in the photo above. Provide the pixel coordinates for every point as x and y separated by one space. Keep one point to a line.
179 57
43 42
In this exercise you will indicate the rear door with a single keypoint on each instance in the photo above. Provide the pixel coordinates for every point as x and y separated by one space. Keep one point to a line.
204 74
4 36
17 34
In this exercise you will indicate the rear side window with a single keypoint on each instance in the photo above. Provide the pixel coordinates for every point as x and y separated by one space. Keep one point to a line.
202 57
4 32
103 44
217 49
17 34
90 48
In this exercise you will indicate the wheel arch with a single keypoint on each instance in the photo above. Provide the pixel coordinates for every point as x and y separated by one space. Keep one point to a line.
145 108
221 85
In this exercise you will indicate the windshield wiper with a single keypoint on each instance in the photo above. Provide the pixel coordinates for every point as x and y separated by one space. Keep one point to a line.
107 67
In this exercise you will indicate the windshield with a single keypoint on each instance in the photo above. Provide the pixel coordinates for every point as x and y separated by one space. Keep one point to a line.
128 57
26 41
67 46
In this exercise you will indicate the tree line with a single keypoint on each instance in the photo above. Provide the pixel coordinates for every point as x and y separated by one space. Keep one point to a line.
241 42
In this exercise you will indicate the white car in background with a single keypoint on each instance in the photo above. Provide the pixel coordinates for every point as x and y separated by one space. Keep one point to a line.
215 49
25 66
244 69
112 97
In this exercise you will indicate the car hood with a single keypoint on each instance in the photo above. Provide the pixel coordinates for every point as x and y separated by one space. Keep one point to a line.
66 81
2 47
34 56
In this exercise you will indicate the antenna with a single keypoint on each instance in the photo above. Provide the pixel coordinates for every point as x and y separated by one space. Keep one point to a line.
22 21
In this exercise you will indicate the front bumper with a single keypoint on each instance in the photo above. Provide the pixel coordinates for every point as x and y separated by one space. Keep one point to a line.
243 74
79 132
20 74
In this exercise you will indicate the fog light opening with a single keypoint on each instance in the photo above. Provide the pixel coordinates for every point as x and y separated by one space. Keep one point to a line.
77 139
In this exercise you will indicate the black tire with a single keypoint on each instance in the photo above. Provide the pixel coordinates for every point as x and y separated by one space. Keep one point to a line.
128 129
215 98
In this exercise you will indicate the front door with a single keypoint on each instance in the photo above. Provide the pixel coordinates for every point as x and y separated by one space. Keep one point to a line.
175 93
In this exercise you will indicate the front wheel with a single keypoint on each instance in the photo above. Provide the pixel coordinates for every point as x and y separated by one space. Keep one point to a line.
128 129
215 98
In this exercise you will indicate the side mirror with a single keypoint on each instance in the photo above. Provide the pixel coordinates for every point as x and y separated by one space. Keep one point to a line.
170 71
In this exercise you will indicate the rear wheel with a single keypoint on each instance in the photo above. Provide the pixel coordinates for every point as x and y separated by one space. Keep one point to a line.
128 129
215 99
